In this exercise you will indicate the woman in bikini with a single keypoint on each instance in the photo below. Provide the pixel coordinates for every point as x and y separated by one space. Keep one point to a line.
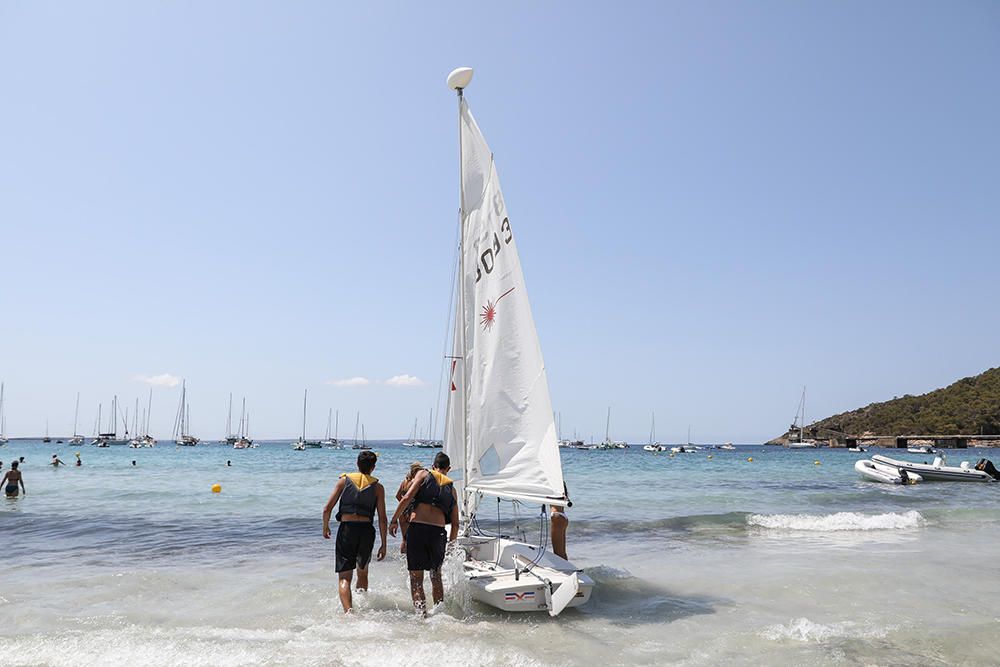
11 480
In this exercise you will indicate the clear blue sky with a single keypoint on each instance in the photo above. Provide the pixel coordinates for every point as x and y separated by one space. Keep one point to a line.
715 202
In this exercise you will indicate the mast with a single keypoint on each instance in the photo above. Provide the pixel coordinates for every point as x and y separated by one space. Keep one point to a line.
76 413
229 419
607 427
305 394
652 429
802 418
243 416
329 422
336 426
149 410
460 306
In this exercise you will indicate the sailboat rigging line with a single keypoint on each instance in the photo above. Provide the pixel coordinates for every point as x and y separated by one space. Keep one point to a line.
448 321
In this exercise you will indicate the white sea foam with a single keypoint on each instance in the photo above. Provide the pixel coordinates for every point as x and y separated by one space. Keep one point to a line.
840 521
804 630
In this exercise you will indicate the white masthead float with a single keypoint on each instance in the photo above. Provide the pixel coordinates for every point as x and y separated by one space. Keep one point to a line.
499 429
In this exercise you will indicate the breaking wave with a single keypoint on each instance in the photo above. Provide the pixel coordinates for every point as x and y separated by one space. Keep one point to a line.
840 521
804 630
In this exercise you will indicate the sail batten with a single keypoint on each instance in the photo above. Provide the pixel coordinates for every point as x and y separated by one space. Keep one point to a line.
499 427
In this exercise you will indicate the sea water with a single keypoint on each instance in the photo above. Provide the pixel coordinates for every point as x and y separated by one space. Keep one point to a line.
699 559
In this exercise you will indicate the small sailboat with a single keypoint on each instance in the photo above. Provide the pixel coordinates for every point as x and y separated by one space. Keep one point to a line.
412 440
800 418
46 438
182 423
499 431
231 437
608 442
243 441
77 439
147 440
302 444
653 446
331 442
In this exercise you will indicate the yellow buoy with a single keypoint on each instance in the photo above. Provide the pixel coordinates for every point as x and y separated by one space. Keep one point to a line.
709 456
216 488
815 463
750 459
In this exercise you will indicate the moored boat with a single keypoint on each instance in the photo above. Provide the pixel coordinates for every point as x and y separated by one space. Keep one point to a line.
886 474
984 471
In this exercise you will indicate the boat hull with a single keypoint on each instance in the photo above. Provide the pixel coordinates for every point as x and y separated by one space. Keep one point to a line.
938 473
885 474
523 578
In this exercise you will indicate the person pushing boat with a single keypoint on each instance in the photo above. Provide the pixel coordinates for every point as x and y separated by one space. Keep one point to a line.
359 496
435 504
11 480
404 518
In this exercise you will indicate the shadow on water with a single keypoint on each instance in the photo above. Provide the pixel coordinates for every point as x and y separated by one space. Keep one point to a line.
622 599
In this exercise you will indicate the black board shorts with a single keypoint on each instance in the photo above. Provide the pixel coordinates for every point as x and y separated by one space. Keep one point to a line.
355 540
425 546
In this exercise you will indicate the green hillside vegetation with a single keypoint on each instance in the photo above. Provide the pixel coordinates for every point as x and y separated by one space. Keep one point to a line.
970 406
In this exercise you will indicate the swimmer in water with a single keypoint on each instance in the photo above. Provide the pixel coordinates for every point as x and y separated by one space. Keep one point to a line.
56 462
133 461
11 480
229 464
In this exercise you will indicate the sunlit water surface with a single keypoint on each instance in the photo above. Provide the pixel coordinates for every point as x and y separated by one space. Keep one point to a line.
698 561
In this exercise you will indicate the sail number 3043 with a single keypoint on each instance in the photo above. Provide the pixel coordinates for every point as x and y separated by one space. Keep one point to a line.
488 258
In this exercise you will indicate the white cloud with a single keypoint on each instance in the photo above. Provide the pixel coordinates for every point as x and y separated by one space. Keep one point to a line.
350 382
404 381
161 380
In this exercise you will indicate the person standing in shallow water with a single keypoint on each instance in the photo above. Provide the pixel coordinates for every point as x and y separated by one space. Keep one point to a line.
559 525
435 504
360 495
11 480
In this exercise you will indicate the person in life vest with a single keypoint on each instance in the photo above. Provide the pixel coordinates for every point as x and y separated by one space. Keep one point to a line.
359 495
435 504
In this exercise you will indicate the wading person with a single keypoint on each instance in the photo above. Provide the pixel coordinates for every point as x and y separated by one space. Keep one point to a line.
11 480
559 525
360 495
404 518
434 504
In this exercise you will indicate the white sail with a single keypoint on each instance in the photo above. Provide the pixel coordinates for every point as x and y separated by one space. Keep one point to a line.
509 447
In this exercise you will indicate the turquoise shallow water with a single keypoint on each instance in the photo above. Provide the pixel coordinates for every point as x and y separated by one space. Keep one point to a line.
698 561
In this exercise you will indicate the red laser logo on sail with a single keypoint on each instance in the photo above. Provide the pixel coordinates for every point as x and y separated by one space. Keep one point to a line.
489 315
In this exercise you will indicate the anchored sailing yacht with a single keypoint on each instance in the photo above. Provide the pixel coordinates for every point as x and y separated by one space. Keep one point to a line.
800 417
328 442
77 439
608 442
182 423
243 441
654 445
499 431
303 444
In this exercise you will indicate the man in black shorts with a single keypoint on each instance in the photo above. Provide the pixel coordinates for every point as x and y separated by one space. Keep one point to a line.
435 504
359 495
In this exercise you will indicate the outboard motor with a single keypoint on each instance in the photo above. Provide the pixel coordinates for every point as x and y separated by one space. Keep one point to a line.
987 466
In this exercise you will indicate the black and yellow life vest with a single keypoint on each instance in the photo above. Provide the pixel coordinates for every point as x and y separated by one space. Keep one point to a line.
359 495
437 490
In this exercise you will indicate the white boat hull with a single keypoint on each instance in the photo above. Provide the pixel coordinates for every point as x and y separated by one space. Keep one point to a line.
523 578
937 471
878 472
